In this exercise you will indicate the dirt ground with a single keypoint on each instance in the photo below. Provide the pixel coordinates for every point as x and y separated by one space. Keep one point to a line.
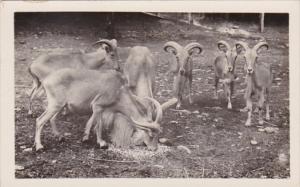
209 142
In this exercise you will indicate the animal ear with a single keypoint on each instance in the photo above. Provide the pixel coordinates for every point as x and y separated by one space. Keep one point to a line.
222 47
170 49
195 51
239 49
106 48
261 47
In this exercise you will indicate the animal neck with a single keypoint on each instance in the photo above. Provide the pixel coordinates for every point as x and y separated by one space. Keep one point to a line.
95 57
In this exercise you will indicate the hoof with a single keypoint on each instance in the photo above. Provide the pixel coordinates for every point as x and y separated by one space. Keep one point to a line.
248 124
61 139
85 139
191 101
178 106
229 106
102 147
38 148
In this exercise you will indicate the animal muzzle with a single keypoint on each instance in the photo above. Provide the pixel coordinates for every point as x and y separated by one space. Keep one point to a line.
181 71
249 70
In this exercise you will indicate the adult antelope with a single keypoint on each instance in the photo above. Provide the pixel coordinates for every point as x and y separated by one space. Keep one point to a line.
94 92
46 64
182 67
139 71
258 77
224 67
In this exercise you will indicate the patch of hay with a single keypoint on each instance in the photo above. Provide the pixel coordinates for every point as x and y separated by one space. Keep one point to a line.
140 153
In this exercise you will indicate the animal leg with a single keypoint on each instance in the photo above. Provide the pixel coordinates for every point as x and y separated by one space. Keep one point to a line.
190 87
249 107
260 105
54 128
40 122
33 92
267 104
228 95
102 143
177 90
216 87
88 127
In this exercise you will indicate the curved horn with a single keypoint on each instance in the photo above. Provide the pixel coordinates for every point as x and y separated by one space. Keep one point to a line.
194 45
243 44
222 42
145 125
138 99
174 46
112 44
169 103
159 111
261 44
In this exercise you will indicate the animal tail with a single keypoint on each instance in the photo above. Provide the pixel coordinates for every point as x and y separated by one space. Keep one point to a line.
36 80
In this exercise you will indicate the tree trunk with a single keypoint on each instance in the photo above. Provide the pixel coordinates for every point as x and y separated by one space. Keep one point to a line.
262 22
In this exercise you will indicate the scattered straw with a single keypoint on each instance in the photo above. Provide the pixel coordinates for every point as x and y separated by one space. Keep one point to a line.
140 153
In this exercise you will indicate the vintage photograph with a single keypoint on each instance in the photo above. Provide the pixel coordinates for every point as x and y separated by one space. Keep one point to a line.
152 95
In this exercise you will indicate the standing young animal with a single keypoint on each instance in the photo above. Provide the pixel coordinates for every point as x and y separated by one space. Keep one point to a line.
48 63
92 92
259 79
224 67
182 67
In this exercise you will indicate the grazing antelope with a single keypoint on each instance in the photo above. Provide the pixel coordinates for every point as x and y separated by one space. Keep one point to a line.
224 67
48 63
258 77
93 92
182 67
139 71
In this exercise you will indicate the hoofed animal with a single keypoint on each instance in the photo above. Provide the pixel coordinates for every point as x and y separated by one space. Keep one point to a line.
48 63
224 67
182 67
139 70
259 79
94 92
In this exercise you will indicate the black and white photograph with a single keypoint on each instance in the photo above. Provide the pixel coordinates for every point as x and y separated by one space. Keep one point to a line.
185 94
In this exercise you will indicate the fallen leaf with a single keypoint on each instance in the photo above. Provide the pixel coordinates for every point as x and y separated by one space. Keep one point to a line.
184 148
27 149
253 142
163 140
261 129
18 167
17 109
67 134
271 129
